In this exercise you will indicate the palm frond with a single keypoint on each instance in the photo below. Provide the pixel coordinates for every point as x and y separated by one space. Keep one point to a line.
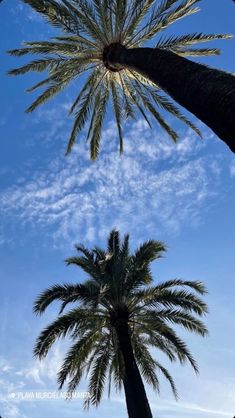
145 362
90 87
124 250
98 375
81 117
46 95
87 265
167 375
113 243
120 10
139 10
59 328
148 105
178 317
47 297
57 15
196 52
37 66
149 251
117 370
166 104
76 358
161 19
134 97
117 107
180 348
129 111
97 123
104 18
196 285
86 14
188 40
79 40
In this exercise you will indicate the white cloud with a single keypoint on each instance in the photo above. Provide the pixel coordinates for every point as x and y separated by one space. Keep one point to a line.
184 409
7 387
11 410
232 169
5 366
155 185
43 372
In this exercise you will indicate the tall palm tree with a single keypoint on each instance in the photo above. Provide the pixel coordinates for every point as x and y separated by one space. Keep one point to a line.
117 318
103 39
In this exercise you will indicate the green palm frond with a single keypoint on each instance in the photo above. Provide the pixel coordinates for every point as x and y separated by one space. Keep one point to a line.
47 94
166 104
182 41
168 338
91 267
134 97
161 18
117 370
139 11
118 290
125 248
76 357
117 108
171 298
98 374
88 28
162 344
148 252
66 293
148 105
196 52
198 286
94 133
59 329
37 66
167 375
113 243
57 15
176 316
145 362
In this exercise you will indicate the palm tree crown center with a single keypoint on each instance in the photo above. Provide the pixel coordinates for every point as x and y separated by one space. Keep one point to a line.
119 316
109 54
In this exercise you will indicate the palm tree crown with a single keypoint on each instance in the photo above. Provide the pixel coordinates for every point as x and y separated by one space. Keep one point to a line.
92 29
117 293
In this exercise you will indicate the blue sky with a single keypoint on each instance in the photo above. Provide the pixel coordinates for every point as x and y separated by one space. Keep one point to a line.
183 195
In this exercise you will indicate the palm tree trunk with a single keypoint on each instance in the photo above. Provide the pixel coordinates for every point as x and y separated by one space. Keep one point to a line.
206 92
136 399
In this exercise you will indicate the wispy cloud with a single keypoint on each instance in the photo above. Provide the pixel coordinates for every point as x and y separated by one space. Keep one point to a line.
26 13
189 408
7 386
155 184
232 169
42 373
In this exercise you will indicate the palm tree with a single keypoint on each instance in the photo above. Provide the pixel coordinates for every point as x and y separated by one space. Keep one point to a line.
117 317
103 39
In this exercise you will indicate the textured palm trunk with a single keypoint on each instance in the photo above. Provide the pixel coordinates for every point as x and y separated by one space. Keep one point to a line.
136 399
206 92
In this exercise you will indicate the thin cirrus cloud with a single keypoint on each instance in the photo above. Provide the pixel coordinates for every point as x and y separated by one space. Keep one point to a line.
232 168
155 184
192 410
